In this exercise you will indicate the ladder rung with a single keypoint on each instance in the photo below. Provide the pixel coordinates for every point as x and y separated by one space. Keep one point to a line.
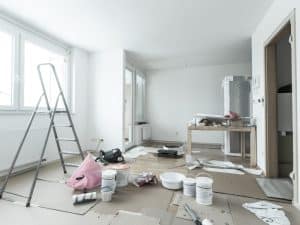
65 139
70 153
63 125
60 111
71 165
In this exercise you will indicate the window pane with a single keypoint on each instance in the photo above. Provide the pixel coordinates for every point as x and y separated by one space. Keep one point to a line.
6 65
140 98
33 56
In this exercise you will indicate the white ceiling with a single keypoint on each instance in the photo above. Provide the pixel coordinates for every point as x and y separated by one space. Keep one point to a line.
157 33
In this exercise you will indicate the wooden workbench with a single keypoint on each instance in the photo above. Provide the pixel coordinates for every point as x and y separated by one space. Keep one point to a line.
242 129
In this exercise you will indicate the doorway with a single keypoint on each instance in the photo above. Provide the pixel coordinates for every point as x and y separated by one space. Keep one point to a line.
280 102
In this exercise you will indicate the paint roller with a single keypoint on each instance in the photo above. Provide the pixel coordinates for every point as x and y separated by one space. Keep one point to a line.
196 218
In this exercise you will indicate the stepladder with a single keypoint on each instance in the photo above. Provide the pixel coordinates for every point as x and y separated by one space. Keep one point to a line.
52 111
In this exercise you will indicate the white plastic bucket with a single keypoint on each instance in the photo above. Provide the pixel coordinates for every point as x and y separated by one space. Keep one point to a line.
106 194
189 187
109 179
204 193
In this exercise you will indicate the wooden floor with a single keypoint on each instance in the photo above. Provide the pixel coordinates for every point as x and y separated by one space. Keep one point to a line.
52 200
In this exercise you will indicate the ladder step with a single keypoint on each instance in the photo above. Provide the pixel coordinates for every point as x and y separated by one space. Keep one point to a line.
66 139
60 111
70 153
71 165
63 125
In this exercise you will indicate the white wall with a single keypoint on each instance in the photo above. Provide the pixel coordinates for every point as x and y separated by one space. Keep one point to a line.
273 18
12 125
175 95
106 99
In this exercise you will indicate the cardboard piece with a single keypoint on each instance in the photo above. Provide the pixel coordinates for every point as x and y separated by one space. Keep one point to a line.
51 195
132 198
166 218
14 214
218 212
234 184
276 187
132 218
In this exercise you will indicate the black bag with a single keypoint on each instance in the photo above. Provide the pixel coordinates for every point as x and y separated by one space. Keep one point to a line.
111 156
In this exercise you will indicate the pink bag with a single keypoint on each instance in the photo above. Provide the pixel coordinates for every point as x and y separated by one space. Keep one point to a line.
86 176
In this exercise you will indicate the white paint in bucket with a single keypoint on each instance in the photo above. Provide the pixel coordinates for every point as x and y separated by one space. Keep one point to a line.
204 193
189 187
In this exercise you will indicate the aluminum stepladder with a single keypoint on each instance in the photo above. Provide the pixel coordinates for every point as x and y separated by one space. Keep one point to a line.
52 126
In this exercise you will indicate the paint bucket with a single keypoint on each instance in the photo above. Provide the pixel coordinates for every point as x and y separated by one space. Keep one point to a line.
204 193
189 187
106 194
109 179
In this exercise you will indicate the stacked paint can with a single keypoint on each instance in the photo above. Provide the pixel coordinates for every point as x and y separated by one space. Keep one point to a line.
109 179
204 192
189 187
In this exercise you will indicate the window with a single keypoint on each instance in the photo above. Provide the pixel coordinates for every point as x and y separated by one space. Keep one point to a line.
33 56
140 98
6 69
21 52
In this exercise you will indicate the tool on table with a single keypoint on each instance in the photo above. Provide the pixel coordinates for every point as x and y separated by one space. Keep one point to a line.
194 216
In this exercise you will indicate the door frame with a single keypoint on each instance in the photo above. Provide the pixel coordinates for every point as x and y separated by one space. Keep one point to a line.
271 150
130 68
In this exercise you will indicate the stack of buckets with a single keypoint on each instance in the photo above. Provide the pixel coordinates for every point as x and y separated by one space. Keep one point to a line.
201 187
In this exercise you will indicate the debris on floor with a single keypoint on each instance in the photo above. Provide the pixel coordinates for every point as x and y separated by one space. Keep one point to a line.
139 151
144 178
223 166
268 212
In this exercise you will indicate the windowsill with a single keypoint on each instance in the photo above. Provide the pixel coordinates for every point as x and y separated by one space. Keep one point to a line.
26 112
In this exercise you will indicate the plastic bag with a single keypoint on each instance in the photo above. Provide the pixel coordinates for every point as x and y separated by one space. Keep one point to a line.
86 176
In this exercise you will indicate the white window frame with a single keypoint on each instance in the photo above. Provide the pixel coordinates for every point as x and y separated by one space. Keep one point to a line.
43 44
4 27
22 33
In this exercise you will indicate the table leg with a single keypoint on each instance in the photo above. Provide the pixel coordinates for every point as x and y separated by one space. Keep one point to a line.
253 150
189 142
243 145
